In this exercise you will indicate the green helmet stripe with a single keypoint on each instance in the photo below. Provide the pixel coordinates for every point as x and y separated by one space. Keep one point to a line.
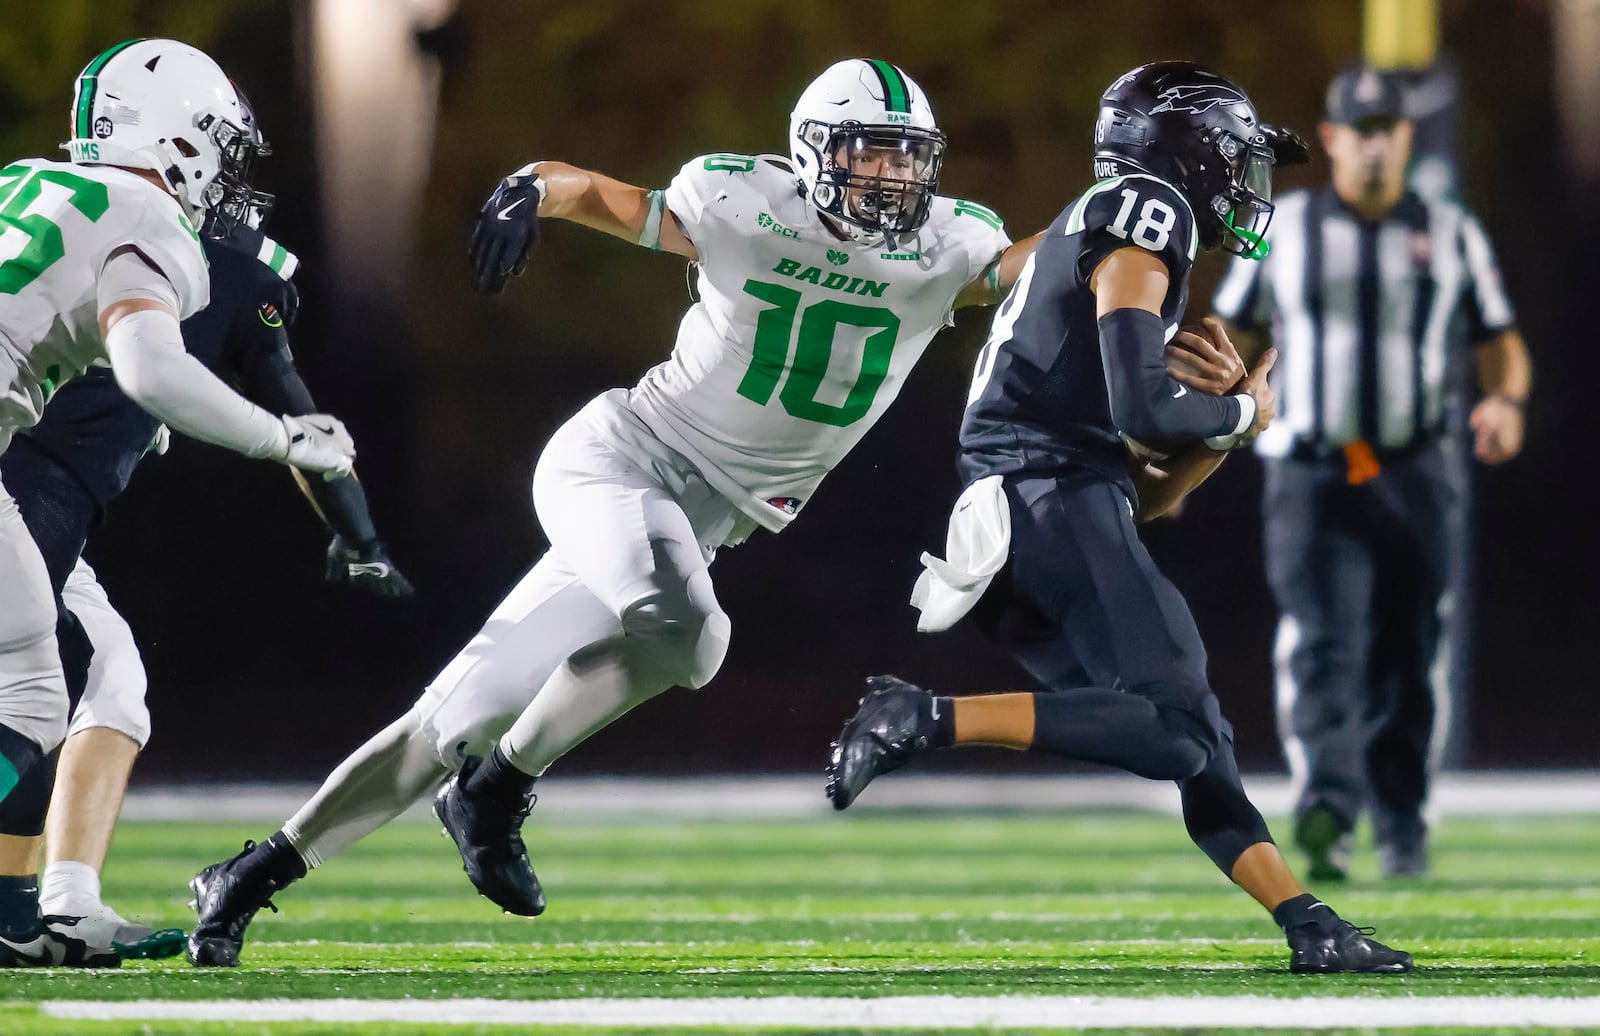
86 87
895 93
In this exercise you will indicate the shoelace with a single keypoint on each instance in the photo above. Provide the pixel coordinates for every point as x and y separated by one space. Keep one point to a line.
895 752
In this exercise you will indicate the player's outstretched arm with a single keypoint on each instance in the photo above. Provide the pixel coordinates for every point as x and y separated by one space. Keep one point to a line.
356 556
507 228
143 340
995 283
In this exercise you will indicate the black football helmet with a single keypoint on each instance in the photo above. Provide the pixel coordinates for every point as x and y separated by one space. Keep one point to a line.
232 199
1199 132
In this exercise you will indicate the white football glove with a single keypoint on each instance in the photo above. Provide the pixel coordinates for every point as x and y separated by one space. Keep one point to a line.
318 443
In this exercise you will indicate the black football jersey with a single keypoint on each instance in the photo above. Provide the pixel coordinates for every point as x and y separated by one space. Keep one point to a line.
98 434
1039 400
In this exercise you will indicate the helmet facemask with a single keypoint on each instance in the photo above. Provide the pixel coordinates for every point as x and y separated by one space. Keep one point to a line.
876 182
232 198
1244 207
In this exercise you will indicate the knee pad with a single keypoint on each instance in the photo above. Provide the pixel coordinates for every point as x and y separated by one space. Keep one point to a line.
24 808
675 639
1193 720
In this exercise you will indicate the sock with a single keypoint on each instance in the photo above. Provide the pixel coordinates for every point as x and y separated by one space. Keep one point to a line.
19 904
1302 909
67 881
942 721
275 860
498 780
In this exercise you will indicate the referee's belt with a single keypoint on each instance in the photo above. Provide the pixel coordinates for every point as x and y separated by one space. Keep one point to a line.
1361 461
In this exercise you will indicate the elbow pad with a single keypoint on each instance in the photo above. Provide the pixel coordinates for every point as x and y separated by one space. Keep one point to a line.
1146 402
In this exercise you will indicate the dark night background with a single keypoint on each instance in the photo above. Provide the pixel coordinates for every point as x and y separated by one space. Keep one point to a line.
258 670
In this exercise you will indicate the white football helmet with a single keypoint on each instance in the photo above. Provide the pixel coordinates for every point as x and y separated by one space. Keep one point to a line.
866 149
164 106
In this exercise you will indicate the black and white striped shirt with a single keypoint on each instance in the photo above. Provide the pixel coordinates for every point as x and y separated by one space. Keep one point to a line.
1365 317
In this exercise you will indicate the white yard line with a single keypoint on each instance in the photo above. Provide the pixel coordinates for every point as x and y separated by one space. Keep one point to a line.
1454 794
886 1012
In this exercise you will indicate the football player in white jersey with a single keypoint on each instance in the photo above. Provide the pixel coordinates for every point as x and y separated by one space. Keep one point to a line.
99 260
822 277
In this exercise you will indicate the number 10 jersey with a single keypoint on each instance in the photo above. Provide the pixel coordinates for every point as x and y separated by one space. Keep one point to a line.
799 340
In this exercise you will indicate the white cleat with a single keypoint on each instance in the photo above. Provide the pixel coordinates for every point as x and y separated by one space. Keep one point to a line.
106 931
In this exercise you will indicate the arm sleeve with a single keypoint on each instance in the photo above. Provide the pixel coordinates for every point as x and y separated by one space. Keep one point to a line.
151 366
1488 309
275 383
259 338
1147 403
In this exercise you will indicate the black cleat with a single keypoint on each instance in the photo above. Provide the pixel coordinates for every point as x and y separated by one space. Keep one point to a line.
226 898
51 947
891 726
1403 861
1331 945
489 837
1402 845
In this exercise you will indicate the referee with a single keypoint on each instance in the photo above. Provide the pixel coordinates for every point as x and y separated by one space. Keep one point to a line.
1372 295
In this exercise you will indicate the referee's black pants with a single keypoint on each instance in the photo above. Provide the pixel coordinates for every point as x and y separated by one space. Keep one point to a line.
1361 573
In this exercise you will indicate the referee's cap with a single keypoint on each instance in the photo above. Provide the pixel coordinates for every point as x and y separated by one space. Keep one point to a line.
1362 95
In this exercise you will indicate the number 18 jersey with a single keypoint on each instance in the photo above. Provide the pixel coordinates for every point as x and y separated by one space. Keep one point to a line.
1039 401
59 224
799 340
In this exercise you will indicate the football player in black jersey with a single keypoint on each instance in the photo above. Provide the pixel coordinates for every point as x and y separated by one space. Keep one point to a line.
63 472
1070 388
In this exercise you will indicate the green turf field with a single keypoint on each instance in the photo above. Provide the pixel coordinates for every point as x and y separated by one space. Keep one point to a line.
868 906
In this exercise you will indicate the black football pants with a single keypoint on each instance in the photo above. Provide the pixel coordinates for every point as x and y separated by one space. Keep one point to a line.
1085 610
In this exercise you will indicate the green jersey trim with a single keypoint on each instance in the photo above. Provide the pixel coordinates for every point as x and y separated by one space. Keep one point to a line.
277 258
983 212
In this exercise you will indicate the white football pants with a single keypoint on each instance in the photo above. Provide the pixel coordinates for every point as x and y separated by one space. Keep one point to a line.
621 604
33 691
114 697
618 610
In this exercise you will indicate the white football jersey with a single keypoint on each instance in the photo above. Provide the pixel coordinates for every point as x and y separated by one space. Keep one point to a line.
59 224
799 340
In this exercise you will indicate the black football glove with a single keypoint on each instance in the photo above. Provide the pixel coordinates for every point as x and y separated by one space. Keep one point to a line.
506 230
366 568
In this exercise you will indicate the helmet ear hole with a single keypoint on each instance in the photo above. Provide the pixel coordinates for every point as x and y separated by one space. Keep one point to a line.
186 149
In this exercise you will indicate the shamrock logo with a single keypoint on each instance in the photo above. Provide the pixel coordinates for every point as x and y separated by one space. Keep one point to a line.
837 258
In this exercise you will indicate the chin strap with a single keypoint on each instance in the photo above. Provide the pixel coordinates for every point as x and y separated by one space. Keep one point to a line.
1257 247
851 232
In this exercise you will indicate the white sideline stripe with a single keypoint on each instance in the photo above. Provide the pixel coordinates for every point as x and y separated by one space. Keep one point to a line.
897 1012
1454 794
